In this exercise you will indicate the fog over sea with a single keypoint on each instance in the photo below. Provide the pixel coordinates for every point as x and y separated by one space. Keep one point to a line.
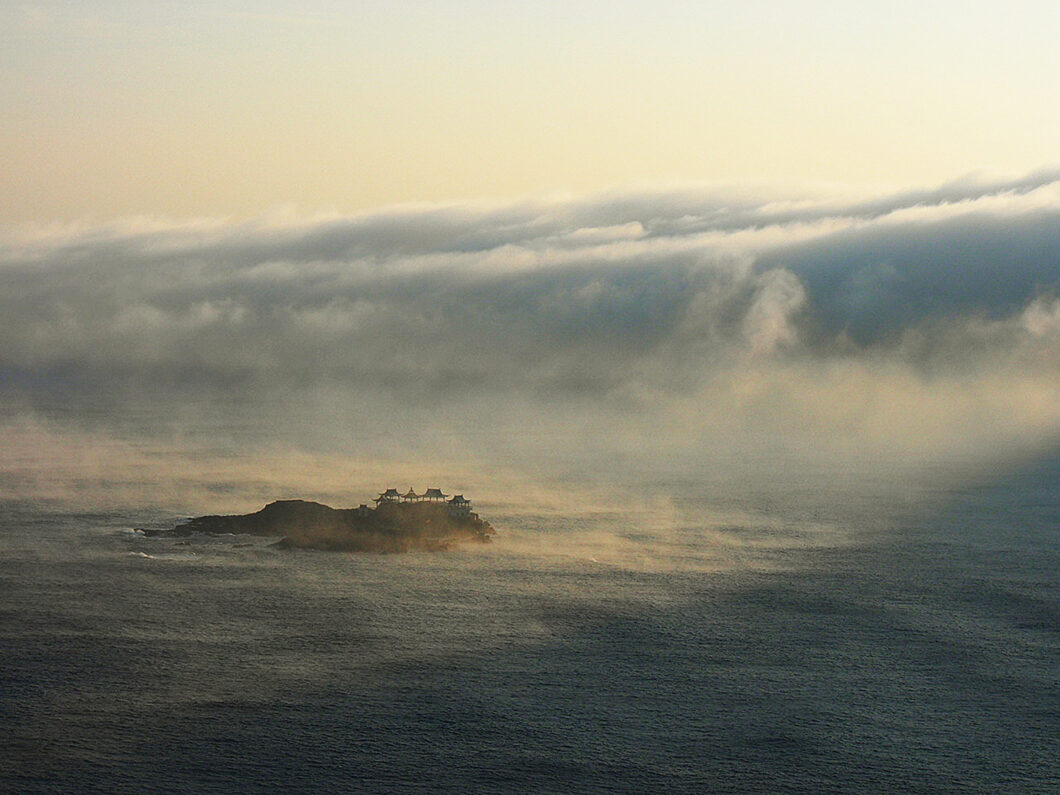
774 476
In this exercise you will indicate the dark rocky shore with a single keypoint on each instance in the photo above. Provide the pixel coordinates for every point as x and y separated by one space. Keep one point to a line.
392 527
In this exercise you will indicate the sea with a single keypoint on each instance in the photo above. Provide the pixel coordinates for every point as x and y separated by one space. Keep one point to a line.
710 640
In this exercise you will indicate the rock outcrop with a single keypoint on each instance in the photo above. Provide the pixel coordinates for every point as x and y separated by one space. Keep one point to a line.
392 527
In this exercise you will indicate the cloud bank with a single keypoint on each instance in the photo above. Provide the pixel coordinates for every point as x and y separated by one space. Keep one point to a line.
668 327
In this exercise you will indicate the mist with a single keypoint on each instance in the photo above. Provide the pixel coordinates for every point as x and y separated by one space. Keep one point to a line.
695 333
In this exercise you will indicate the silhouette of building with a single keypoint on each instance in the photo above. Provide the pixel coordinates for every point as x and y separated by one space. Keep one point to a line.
390 495
459 507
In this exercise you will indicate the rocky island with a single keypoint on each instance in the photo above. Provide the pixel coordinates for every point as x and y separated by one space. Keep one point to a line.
398 523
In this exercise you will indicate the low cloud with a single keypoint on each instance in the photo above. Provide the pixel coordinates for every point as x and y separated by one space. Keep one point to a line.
654 327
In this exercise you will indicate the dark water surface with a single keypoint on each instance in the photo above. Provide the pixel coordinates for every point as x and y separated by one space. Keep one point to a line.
920 653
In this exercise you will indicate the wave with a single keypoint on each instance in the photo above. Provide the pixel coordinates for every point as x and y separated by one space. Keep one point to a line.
165 555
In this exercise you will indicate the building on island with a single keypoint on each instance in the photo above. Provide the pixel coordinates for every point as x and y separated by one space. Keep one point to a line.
390 495
458 507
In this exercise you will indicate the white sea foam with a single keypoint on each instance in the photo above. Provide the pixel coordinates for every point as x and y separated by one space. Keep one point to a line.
166 555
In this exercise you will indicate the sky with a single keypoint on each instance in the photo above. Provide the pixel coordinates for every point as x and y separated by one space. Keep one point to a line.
231 109
261 250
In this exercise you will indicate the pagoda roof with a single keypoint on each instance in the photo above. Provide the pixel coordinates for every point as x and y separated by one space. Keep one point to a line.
386 496
434 493
458 500
410 493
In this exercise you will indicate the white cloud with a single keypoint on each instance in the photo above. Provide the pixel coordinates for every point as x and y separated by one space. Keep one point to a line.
768 323
1042 317
673 324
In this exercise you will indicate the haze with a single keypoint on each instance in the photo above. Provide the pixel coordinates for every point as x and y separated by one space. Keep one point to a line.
576 242
618 337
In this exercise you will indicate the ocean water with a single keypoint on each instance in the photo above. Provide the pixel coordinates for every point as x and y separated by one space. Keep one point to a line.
738 644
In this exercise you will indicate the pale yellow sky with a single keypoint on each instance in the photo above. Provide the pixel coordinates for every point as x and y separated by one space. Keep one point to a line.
231 108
